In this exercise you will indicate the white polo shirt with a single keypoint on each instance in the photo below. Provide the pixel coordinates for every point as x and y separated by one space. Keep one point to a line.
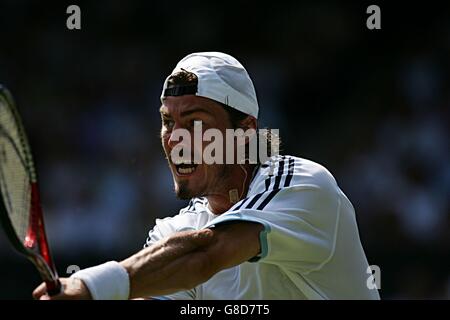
310 246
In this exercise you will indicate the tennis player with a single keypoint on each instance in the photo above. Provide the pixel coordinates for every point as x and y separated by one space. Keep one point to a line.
275 229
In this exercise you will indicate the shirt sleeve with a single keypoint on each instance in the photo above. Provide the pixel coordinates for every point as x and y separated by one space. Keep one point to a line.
166 227
299 222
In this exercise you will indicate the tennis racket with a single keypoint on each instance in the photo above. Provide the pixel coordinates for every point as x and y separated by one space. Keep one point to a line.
20 208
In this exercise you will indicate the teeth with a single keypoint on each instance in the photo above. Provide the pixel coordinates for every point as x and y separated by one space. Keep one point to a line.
177 163
185 170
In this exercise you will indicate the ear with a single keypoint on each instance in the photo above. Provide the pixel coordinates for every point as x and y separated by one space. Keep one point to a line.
249 123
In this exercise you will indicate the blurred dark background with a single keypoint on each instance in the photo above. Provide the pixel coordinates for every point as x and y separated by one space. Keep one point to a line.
370 105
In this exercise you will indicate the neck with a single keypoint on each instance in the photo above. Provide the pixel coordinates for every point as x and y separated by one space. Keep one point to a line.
232 192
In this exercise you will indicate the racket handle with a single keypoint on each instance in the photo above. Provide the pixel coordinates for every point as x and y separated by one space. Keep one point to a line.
53 287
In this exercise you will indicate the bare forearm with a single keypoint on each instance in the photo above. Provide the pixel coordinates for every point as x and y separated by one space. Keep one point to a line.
183 273
169 266
161 270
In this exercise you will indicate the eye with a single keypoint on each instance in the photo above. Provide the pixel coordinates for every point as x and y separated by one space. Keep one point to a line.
168 123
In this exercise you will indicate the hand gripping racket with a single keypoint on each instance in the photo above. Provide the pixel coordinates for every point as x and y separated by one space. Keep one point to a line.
20 208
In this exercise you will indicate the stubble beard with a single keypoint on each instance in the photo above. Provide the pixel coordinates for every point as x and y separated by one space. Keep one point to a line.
185 192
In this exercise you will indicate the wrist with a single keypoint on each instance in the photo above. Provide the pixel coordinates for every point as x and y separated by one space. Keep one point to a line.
108 281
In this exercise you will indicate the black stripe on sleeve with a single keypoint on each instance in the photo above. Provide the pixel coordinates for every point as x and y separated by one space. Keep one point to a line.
267 199
255 198
269 191
239 206
290 172
279 175
268 181
276 186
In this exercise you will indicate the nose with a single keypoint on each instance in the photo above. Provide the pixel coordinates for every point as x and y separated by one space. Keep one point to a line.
171 143
178 135
174 139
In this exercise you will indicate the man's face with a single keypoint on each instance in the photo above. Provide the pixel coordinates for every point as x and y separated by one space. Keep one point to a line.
193 180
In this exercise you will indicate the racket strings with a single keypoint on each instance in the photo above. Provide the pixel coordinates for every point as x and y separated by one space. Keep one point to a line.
14 177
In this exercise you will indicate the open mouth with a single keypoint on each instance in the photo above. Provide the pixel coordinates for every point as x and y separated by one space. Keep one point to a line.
185 169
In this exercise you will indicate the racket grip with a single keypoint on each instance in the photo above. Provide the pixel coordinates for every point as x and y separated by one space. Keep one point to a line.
53 287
